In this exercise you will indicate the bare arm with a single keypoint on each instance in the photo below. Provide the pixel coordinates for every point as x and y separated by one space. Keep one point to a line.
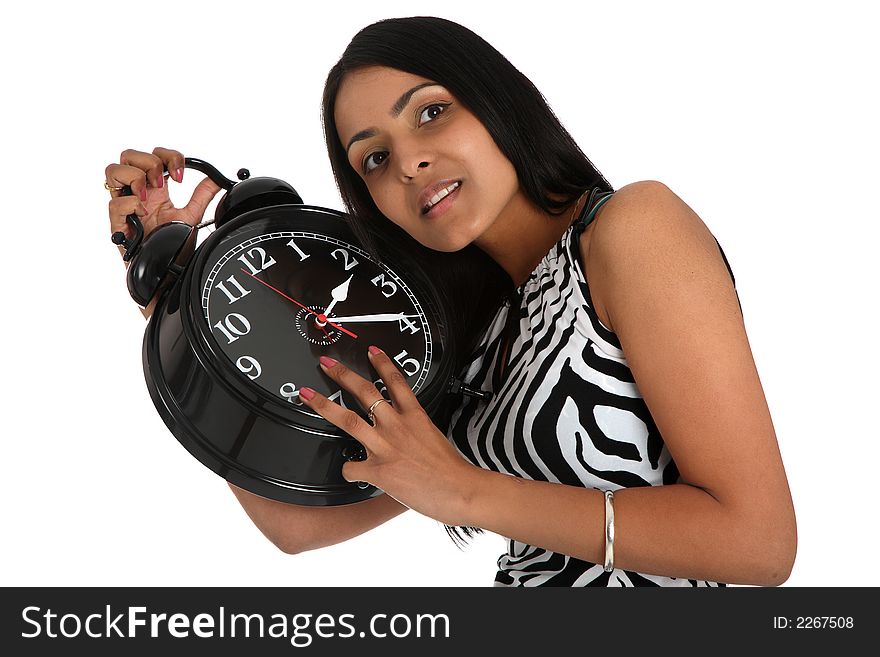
672 304
296 529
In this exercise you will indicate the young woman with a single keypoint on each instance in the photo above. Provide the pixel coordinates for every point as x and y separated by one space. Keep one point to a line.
627 441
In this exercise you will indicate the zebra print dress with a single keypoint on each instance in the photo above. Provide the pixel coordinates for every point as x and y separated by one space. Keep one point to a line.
567 409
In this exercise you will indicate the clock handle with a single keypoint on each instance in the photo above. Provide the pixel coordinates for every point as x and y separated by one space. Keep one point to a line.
211 171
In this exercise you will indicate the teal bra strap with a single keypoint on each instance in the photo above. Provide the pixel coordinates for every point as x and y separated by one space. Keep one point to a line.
596 207
583 221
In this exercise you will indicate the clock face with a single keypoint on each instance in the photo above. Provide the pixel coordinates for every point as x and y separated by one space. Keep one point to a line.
278 295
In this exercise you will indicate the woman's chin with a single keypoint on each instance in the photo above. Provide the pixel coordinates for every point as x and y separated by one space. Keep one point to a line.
449 245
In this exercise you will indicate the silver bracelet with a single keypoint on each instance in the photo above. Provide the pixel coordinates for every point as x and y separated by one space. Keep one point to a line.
609 531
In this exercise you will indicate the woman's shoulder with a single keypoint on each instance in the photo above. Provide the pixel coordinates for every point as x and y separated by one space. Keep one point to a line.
645 213
639 198
641 217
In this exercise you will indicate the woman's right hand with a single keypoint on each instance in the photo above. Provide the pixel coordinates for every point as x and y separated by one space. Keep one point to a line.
149 200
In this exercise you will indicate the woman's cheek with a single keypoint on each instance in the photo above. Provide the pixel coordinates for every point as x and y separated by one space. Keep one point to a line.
394 209
392 206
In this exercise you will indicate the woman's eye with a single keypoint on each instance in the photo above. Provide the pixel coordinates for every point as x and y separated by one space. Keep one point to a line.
372 157
432 111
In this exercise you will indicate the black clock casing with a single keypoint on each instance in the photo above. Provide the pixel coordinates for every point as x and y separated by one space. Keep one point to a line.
247 432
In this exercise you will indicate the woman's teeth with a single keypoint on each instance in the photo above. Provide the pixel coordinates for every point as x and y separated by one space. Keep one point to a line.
440 195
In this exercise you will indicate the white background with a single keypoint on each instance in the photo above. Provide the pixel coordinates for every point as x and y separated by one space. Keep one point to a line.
761 116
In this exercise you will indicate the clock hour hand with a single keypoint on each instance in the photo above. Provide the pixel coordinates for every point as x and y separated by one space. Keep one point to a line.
381 317
339 293
319 321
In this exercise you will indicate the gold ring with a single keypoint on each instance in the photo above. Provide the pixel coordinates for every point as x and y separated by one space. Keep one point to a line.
373 406
111 188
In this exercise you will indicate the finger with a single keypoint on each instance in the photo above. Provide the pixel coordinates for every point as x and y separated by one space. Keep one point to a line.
359 471
173 161
204 192
122 175
150 164
120 208
349 421
398 388
364 391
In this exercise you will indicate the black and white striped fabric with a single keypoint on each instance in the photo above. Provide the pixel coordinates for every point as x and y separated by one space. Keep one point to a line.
567 410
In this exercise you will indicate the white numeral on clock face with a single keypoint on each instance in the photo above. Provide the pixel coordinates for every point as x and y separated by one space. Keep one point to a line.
232 296
337 397
248 364
380 281
290 393
408 363
234 323
302 256
345 256
262 258
406 324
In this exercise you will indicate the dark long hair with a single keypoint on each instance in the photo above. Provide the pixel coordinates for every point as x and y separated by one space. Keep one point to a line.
552 170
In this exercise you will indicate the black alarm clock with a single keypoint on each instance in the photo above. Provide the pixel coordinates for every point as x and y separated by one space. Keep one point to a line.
241 323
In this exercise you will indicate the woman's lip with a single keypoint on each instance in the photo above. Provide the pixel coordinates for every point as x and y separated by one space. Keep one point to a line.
443 204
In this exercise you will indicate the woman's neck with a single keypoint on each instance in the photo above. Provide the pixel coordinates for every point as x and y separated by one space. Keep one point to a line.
523 234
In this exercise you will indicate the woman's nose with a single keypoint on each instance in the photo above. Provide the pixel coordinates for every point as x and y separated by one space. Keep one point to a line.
412 158
422 165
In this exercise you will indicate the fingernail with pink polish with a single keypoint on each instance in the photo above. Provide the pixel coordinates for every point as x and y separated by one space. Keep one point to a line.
326 361
375 350
306 393
178 175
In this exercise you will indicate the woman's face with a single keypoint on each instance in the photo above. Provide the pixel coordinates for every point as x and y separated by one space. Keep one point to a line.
409 138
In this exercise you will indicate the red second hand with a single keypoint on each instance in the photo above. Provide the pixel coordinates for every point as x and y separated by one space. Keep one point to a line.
318 315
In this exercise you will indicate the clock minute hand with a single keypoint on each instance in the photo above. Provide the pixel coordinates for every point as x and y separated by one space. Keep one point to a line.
382 317
306 308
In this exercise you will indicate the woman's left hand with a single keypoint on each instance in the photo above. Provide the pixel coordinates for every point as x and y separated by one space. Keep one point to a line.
408 457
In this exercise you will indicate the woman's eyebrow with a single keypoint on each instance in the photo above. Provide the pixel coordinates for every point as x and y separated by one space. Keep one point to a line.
396 109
